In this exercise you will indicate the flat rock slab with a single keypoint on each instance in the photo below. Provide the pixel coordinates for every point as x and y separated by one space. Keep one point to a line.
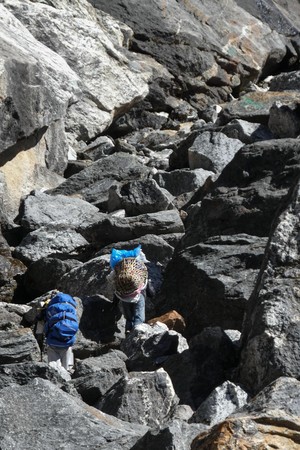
40 415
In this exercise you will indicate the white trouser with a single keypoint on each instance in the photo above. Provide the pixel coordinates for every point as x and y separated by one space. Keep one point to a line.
61 357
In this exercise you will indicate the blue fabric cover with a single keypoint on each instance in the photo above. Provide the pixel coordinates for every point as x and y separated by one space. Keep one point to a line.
117 255
61 323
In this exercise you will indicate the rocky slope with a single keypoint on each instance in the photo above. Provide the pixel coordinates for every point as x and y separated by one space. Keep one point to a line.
174 124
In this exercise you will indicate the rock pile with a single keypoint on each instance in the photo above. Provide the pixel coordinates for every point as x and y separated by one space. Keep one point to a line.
174 125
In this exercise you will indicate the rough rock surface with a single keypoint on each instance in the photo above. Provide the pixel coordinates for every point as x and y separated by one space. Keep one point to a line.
174 125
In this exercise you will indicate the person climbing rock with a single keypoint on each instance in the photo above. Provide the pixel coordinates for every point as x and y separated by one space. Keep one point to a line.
130 279
58 322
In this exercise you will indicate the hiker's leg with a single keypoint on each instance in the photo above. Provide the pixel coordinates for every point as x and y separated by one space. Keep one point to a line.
139 311
67 358
128 311
54 355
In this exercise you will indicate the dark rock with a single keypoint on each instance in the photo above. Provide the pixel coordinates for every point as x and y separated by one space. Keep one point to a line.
148 346
247 194
139 197
247 132
18 346
217 277
24 372
75 166
99 318
119 166
286 81
284 120
177 435
43 275
98 193
212 151
11 315
181 181
113 229
93 377
271 330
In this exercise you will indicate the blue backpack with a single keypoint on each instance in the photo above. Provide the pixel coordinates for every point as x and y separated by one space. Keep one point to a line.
61 323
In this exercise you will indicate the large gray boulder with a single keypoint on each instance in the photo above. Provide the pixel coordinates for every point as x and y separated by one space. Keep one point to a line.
180 181
120 167
212 151
93 377
102 67
270 337
45 242
24 372
66 422
109 228
58 212
247 194
145 398
196 37
147 346
18 345
210 283
139 197
11 315
222 402
35 65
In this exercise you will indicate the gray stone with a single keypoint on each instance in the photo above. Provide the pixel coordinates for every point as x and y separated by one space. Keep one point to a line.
176 435
145 398
43 210
43 275
27 108
18 346
24 372
80 427
201 34
113 228
212 151
271 330
286 81
148 346
180 181
245 197
93 377
11 315
255 106
139 197
247 132
45 242
279 397
217 277
87 279
120 166
284 120
221 403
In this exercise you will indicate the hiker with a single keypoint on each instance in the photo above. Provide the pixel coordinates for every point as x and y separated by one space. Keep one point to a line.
130 279
60 321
